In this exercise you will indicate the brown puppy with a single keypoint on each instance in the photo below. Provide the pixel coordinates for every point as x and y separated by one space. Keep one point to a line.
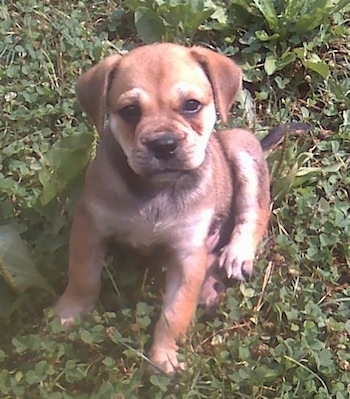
164 183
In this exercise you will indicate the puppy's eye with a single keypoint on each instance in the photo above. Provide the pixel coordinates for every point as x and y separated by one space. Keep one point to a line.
130 113
191 107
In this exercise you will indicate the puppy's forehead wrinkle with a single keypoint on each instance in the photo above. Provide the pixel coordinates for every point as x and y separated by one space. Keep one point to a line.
134 95
188 90
168 66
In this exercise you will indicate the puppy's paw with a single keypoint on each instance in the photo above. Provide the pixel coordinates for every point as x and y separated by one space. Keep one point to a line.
68 309
237 259
211 293
164 360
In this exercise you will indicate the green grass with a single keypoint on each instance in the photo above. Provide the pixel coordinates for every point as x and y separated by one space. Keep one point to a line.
285 334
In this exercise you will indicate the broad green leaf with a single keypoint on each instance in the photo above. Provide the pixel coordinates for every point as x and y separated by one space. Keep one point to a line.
243 3
293 9
265 37
322 169
64 162
324 359
340 5
319 67
86 337
312 61
149 25
174 3
270 64
283 185
247 103
273 64
286 59
184 16
16 267
198 18
160 381
308 21
267 8
132 5
220 15
300 52
282 82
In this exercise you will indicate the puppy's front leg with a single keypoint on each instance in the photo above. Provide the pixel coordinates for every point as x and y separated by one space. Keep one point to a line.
184 279
87 251
251 201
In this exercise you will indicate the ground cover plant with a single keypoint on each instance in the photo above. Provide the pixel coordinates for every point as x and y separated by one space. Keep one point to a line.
286 333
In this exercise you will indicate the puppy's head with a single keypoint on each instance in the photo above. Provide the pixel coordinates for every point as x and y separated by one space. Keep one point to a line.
161 101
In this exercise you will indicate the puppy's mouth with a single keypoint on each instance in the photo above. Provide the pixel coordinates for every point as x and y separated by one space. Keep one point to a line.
166 158
163 171
166 175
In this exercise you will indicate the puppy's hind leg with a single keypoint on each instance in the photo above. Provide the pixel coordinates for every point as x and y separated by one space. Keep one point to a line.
251 201
87 251
213 288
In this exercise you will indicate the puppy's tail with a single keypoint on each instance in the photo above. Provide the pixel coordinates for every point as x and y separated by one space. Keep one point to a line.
278 133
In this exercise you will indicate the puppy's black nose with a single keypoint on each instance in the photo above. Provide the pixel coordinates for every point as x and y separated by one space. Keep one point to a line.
164 147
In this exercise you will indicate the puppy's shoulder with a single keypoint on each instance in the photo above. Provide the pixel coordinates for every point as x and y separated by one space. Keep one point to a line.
238 139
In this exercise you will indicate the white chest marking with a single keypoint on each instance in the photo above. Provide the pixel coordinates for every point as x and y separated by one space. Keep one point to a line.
144 230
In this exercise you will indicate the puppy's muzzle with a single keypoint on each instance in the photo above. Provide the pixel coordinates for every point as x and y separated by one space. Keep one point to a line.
163 156
163 148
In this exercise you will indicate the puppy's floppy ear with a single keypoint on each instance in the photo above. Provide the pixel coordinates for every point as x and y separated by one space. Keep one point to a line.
224 75
91 89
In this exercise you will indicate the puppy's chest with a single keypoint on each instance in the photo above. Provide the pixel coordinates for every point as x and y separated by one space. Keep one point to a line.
151 224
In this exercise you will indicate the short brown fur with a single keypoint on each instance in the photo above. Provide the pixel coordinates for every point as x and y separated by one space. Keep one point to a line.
164 183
